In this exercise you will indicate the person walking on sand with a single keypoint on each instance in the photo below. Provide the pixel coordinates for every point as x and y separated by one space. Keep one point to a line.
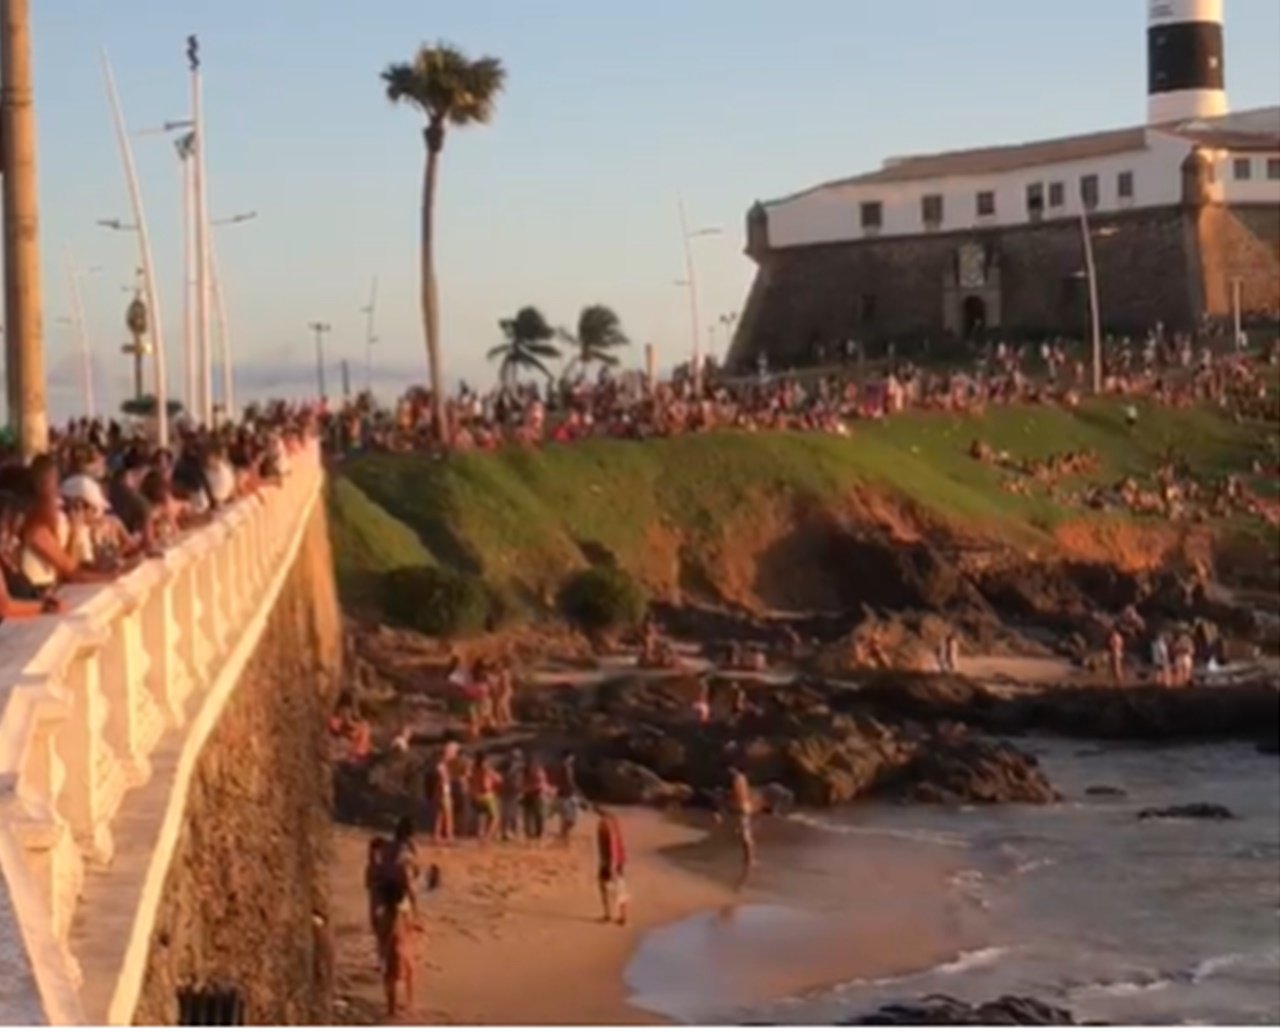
372 875
741 808
398 960
611 876
1115 651
391 877
442 795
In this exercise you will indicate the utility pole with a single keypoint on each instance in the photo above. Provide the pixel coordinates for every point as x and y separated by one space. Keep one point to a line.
28 416
186 145
320 330
225 359
346 381
205 378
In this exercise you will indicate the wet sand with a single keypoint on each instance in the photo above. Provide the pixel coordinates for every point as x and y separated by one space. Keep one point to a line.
514 936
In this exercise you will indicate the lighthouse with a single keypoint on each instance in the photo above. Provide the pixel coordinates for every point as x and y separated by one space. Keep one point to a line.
1186 61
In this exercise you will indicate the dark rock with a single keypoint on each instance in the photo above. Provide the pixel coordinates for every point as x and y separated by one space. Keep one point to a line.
1113 791
1204 811
956 768
624 782
941 1010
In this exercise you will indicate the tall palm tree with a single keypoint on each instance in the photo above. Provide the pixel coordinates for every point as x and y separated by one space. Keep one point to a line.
528 342
599 333
448 89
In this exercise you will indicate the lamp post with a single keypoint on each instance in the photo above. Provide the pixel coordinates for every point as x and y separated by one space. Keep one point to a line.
1091 277
320 330
691 280
144 249
82 334
224 327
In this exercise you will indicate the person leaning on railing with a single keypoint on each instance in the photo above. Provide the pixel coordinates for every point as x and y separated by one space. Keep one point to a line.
17 600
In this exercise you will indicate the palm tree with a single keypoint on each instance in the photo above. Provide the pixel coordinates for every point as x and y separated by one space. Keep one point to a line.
528 342
449 89
599 332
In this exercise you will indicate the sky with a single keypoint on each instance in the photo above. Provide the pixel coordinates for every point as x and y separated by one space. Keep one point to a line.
612 112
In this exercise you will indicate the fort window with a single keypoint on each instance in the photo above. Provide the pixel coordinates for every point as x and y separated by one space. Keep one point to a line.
986 202
1035 200
931 209
872 214
1089 191
1057 195
1273 168
1244 168
1124 185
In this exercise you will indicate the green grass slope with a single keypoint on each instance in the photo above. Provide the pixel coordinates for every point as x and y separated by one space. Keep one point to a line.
523 518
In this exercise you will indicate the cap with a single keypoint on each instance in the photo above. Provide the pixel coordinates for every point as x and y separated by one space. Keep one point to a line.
83 488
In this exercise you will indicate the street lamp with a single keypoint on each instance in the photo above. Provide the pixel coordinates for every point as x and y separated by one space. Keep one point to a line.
320 330
691 280
82 334
224 327
144 249
1091 275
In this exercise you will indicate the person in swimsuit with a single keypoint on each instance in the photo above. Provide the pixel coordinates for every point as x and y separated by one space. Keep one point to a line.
611 875
484 797
442 795
503 695
702 704
741 808
510 791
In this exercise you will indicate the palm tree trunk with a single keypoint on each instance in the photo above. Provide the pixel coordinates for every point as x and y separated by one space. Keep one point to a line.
430 292
23 319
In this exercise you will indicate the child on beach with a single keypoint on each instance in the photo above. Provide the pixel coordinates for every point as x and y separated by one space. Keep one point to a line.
484 797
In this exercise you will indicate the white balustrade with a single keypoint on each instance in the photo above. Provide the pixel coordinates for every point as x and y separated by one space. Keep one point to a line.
86 697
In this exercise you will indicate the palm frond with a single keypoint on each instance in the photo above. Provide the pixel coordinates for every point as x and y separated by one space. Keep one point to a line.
446 85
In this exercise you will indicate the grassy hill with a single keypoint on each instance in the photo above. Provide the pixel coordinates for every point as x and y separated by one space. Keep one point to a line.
706 510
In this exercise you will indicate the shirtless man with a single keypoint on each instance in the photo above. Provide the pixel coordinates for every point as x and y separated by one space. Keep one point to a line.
612 854
741 807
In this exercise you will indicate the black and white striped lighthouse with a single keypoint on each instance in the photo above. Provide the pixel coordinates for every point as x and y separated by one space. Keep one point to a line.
1186 63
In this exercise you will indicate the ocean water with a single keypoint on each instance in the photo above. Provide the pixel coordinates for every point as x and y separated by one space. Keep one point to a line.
1082 905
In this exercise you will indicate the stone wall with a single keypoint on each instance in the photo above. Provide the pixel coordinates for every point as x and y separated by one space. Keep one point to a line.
248 877
1164 264
1241 242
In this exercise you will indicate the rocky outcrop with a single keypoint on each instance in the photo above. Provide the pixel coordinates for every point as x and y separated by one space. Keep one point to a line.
941 1010
1142 712
643 745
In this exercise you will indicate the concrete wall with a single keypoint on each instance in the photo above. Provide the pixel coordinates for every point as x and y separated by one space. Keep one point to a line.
249 870
1241 242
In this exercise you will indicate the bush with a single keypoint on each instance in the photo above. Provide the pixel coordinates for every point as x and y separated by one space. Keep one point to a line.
603 599
435 601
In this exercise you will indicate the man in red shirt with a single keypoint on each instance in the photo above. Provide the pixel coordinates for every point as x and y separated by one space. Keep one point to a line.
613 861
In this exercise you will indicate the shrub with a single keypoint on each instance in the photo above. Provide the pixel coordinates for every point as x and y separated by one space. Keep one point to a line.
435 601
603 599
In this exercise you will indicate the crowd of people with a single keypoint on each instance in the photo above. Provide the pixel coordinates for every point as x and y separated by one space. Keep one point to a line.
1165 368
104 497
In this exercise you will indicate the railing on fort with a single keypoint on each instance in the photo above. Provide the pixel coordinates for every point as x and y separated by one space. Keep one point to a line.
86 697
